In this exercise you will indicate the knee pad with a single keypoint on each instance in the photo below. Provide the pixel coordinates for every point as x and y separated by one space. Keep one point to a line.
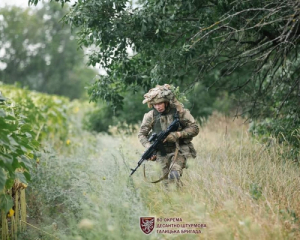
174 175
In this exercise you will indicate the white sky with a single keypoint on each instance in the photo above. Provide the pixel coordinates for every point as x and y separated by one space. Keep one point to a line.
24 3
19 3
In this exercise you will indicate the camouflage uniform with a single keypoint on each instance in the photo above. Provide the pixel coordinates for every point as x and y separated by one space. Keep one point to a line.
154 121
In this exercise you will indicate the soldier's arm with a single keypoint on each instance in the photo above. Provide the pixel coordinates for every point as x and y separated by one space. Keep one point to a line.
145 128
189 125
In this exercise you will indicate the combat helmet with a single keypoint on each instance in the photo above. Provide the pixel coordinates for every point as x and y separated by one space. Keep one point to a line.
160 94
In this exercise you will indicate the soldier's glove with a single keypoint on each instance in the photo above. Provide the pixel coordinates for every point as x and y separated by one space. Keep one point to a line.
147 145
172 137
153 158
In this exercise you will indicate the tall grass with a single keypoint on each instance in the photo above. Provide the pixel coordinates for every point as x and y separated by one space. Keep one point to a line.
237 186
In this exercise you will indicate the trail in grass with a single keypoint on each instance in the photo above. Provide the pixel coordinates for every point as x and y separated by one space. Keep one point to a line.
87 191
238 190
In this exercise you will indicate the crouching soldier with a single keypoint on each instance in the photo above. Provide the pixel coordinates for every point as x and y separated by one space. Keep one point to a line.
178 145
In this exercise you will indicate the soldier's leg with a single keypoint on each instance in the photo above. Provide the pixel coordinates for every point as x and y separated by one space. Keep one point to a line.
164 164
176 169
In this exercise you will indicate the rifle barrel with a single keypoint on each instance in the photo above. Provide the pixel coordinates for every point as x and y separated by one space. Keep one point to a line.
139 164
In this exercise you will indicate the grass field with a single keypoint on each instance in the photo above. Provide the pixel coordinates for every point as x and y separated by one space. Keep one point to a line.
237 186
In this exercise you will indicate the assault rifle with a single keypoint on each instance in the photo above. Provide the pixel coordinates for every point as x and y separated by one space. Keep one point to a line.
157 144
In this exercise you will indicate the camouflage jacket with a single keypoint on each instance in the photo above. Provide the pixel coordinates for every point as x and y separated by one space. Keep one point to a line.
188 128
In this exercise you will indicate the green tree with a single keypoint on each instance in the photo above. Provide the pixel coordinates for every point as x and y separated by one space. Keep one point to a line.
125 117
188 42
38 51
246 47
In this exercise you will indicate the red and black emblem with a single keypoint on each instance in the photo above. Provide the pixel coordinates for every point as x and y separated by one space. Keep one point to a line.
147 224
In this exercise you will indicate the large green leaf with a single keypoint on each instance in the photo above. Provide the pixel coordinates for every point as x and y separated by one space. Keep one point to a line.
6 202
27 176
25 162
21 177
26 127
3 136
2 113
10 117
2 179
10 182
6 158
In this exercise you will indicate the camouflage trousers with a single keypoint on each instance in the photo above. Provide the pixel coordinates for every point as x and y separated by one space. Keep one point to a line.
167 163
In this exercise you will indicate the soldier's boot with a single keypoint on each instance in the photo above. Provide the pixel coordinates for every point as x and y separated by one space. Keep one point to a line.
174 177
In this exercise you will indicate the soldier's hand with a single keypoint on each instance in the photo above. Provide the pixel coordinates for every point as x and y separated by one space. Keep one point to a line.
172 137
147 145
153 158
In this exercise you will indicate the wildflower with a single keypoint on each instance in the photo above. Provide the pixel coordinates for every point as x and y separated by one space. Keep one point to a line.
86 224
54 226
11 212
68 142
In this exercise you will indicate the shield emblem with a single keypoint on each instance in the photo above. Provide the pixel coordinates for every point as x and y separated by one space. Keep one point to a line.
147 224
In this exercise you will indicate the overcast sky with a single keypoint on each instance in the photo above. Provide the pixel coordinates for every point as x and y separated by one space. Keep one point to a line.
20 3
24 3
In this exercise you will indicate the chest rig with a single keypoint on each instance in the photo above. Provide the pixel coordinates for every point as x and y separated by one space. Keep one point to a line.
161 121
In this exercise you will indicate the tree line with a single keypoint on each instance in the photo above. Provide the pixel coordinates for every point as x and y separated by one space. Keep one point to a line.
38 51
246 50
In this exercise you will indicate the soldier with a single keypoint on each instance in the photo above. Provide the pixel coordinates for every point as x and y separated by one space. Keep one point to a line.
164 105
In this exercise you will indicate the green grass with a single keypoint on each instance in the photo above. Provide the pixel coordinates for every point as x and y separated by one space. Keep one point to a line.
237 186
